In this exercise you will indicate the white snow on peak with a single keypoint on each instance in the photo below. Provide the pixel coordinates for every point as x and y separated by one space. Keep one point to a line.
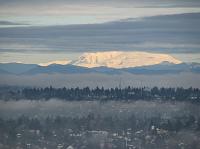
122 59
60 62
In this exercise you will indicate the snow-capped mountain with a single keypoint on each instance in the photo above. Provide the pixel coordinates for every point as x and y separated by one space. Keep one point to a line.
119 59
112 62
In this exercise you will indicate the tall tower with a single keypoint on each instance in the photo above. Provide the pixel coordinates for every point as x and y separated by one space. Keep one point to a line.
120 83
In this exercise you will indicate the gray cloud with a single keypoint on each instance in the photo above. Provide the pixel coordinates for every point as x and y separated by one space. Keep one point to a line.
174 34
169 34
137 3
8 23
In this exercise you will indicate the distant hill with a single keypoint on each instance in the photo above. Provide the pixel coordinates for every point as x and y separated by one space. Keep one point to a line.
16 68
4 72
161 68
55 68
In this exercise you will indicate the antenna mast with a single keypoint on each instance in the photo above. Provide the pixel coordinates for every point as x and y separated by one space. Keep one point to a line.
120 83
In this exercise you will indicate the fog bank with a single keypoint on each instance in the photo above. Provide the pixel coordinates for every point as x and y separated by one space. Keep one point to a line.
53 107
96 79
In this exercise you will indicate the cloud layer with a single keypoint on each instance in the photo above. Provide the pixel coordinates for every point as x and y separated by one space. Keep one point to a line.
167 34
166 3
49 12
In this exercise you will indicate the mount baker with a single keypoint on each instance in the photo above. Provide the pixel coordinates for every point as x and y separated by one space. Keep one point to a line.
117 59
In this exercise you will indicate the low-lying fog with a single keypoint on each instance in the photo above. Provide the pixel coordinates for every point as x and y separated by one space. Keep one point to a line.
53 107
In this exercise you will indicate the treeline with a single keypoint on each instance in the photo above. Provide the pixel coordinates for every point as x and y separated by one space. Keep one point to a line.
128 93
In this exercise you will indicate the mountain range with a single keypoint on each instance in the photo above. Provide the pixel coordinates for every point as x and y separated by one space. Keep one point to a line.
112 62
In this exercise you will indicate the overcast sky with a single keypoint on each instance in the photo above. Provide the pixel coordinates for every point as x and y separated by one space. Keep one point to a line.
30 30
51 12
